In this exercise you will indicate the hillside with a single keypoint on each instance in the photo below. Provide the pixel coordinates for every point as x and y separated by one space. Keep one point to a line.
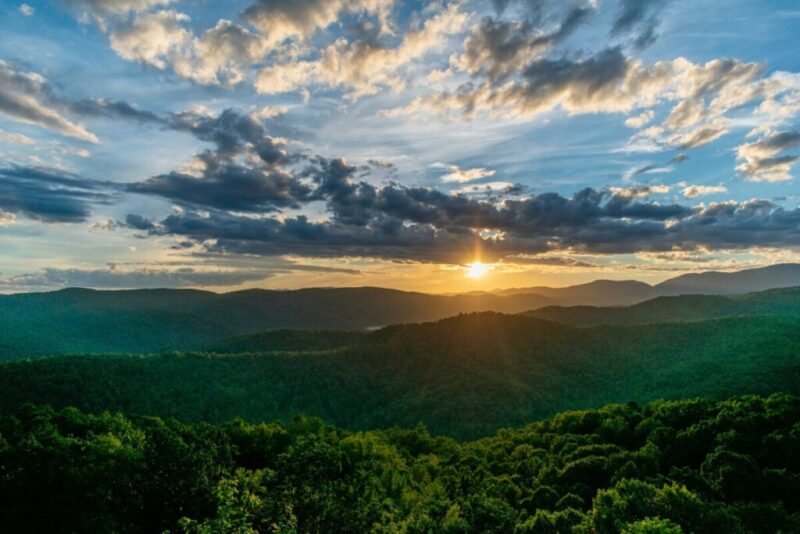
140 321
778 302
597 293
464 376
732 283
628 292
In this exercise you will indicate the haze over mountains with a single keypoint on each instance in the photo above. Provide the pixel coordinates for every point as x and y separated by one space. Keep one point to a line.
622 293
466 375
141 321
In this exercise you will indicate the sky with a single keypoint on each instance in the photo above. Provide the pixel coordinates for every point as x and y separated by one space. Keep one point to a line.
286 144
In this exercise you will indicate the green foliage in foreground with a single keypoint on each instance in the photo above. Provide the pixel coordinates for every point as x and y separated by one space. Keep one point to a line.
465 377
666 467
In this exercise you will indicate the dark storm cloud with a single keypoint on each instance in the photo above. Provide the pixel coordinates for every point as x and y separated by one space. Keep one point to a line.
229 131
584 85
227 185
248 170
50 195
397 222
137 222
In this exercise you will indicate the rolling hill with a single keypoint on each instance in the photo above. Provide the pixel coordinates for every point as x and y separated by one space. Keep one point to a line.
140 321
628 292
465 376
733 283
779 302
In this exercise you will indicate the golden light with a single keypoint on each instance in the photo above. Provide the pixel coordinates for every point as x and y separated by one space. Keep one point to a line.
477 270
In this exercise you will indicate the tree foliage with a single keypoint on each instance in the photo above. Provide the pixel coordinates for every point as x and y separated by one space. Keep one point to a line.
666 467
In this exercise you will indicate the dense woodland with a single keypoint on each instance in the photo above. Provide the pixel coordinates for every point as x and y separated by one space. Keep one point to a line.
405 428
666 467
82 321
465 377
779 302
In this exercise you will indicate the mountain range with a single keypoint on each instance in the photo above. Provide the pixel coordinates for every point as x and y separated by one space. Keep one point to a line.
77 320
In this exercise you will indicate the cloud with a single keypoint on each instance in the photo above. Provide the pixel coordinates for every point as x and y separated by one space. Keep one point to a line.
693 191
227 185
640 191
397 222
114 278
640 16
26 97
280 20
457 174
6 218
49 195
505 80
101 10
8 137
495 49
547 260
607 82
113 109
224 53
488 189
137 222
248 170
637 121
364 65
26 10
220 55
153 38
762 162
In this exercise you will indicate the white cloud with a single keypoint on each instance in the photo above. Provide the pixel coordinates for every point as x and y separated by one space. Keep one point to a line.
693 191
155 38
26 97
269 112
457 174
640 191
26 10
8 137
362 66
6 218
762 159
637 121
280 20
100 11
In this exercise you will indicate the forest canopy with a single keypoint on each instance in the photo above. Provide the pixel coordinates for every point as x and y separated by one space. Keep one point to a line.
665 467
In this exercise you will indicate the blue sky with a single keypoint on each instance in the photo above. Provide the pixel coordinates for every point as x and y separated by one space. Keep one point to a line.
269 143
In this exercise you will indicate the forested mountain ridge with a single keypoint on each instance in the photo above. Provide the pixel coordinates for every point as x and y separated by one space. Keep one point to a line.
465 376
669 467
628 292
733 283
140 321
778 302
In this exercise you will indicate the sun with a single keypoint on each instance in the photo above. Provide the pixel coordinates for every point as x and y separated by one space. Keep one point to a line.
477 270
